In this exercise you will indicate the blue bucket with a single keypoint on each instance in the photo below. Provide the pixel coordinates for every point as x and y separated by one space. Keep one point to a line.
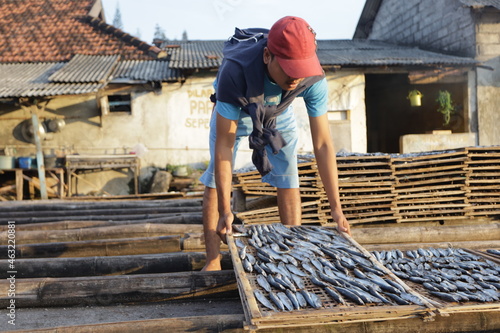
24 162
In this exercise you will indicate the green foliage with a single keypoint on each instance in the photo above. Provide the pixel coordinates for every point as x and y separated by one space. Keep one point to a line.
445 105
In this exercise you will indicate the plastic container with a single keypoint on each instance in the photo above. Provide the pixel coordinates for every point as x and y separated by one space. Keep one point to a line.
6 162
24 162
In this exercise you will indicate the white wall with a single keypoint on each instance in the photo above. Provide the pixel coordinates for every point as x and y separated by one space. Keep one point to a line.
346 93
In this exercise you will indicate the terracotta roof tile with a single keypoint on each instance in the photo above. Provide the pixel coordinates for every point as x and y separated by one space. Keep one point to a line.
56 30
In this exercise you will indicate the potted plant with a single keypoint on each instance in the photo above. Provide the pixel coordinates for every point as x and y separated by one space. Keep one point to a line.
445 105
415 97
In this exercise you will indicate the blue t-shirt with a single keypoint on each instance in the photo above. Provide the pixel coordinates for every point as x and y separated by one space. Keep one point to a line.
315 98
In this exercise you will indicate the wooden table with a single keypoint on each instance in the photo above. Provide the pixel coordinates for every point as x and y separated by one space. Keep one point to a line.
30 175
75 163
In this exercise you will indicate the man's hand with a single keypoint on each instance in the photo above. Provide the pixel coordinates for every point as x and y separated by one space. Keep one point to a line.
224 226
342 223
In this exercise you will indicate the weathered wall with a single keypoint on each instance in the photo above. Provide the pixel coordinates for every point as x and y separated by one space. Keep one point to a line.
488 81
445 25
346 93
173 126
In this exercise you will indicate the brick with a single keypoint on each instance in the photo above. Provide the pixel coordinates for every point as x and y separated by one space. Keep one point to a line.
488 38
489 49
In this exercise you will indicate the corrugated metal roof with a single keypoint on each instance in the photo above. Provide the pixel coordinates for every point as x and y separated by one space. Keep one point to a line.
86 68
481 3
367 53
32 80
196 54
361 53
146 70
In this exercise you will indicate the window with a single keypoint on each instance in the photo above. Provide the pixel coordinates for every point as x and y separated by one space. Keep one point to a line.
120 103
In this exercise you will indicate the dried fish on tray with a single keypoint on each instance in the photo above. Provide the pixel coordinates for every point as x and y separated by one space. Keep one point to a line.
291 275
458 278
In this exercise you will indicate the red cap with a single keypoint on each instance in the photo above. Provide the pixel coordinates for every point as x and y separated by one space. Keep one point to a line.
293 43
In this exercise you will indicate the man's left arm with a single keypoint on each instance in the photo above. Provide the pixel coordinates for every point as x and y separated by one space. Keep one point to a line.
316 99
324 152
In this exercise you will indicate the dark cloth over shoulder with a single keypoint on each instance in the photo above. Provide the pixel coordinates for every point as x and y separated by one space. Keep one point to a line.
240 81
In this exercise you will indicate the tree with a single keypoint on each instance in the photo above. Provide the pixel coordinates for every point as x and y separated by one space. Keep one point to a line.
184 35
117 20
159 33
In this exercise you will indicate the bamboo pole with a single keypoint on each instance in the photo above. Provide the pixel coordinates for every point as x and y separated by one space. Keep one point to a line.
228 323
196 242
473 245
481 232
110 232
90 205
101 212
185 219
118 289
99 248
89 217
111 265
232 323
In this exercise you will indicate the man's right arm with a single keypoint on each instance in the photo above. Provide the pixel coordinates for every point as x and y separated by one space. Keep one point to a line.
224 145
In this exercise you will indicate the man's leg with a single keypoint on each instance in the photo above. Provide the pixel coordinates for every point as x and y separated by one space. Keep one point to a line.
289 206
210 219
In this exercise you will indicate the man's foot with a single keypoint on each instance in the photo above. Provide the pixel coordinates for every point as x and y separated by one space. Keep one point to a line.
211 266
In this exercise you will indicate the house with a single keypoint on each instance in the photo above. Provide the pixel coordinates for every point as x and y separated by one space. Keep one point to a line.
62 65
369 82
117 94
467 28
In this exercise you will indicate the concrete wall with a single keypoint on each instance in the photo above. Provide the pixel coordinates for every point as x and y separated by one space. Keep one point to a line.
488 81
446 25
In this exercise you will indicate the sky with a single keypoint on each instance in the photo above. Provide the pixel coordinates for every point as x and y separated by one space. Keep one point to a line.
216 19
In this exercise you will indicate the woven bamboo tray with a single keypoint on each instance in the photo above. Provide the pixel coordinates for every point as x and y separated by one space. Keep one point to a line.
259 317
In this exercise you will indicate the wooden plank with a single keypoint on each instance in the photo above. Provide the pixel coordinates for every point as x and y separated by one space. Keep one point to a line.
429 170
428 175
441 188
430 207
19 184
429 219
425 156
430 195
429 198
250 306
7 188
448 180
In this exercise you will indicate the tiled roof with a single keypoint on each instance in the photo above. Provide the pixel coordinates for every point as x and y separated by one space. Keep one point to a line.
346 53
195 54
56 30
153 70
32 80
